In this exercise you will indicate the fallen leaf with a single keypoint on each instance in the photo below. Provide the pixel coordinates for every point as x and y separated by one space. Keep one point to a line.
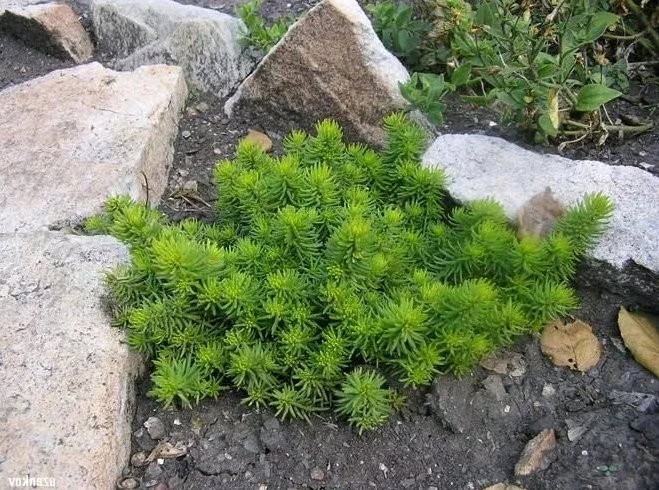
503 486
572 345
537 216
641 338
552 104
261 139
166 449
537 454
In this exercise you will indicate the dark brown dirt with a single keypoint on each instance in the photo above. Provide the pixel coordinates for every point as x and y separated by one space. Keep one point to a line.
230 446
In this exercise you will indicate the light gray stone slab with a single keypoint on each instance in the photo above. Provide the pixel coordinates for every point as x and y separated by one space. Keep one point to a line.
330 64
51 27
204 42
5 4
482 166
75 136
67 376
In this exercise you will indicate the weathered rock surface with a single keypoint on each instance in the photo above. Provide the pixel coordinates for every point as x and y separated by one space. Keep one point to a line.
465 413
201 41
330 64
73 137
67 378
625 260
6 4
50 27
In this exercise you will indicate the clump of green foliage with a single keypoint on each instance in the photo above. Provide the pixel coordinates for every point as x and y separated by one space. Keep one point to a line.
257 34
544 66
328 267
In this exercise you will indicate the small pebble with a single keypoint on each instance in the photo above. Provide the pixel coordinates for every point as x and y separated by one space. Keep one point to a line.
128 483
186 134
317 474
137 459
155 428
407 482
152 471
202 107
190 186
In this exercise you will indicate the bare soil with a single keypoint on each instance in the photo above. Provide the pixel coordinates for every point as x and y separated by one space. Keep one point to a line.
606 420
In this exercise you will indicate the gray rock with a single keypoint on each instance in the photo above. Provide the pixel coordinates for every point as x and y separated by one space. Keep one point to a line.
155 427
74 136
643 402
50 27
251 444
647 425
138 459
494 386
624 260
454 403
271 438
447 400
203 42
152 471
11 4
67 377
330 64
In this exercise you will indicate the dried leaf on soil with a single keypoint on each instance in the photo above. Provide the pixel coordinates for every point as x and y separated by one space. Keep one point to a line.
261 139
538 453
572 345
537 216
166 449
503 486
641 338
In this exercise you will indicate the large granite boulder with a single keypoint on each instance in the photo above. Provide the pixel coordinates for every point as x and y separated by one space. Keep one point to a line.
203 42
330 64
67 377
50 27
75 136
626 259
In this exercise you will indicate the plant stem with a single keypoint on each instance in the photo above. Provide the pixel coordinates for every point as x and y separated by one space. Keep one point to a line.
627 129
643 20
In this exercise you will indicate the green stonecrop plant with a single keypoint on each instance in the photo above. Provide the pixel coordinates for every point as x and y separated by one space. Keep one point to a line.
328 268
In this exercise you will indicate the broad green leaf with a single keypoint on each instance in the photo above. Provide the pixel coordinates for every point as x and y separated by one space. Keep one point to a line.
598 25
461 75
593 96
545 124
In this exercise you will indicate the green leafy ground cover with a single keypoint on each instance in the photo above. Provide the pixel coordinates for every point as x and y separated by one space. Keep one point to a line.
327 271
549 67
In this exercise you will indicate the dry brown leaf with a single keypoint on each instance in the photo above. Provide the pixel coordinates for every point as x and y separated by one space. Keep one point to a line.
537 454
166 449
503 486
641 338
572 345
537 216
261 139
